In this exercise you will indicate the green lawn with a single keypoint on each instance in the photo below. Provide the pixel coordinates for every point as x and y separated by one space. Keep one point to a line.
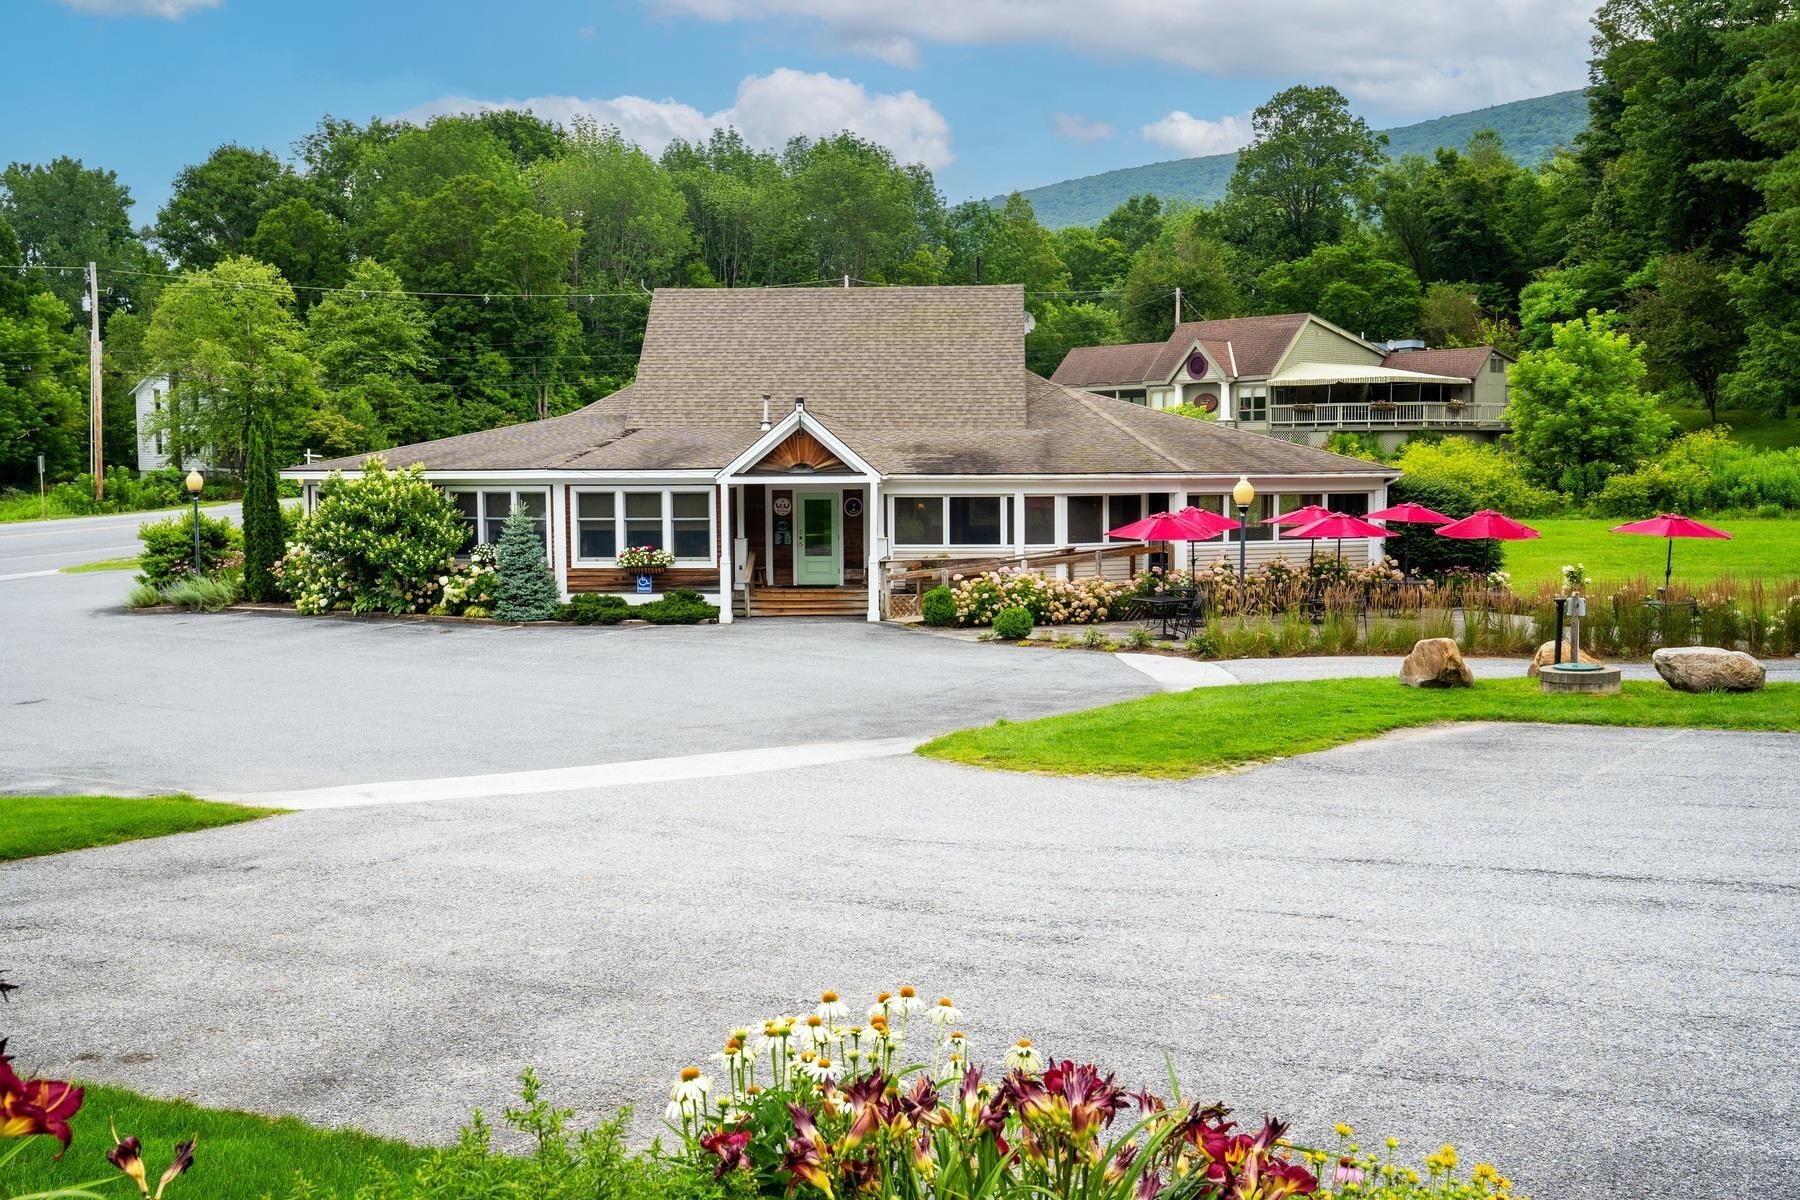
34 825
1750 428
23 506
1213 729
1761 547
240 1156
104 564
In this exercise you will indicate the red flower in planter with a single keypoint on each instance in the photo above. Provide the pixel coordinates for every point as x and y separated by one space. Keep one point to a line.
34 1106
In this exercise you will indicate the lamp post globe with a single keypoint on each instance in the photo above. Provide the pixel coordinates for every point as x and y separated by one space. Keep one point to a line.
195 484
1243 494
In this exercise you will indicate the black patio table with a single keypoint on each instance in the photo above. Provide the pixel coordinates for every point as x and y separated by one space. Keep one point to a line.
1167 609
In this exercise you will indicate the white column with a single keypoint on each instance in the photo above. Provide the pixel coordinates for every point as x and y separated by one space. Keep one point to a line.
726 548
872 527
1377 502
557 522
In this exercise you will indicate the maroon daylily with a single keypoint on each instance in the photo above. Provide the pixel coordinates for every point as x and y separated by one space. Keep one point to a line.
35 1106
731 1146
802 1161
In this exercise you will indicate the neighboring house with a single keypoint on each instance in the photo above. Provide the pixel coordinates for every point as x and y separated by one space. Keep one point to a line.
150 397
1301 377
797 444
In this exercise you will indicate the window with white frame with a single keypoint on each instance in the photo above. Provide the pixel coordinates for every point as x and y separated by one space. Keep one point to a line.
1091 516
676 520
484 512
952 520
1040 520
1253 404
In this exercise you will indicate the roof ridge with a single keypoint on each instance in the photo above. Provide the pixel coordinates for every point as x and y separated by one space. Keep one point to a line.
1082 398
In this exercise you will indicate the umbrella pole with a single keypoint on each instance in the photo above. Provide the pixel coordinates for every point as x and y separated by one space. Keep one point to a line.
1668 565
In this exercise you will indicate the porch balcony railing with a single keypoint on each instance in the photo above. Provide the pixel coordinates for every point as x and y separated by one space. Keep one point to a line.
1405 414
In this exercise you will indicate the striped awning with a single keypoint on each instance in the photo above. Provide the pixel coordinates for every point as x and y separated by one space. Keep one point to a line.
1321 374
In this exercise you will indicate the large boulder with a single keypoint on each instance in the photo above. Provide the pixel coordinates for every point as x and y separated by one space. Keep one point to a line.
1708 669
1436 663
1546 654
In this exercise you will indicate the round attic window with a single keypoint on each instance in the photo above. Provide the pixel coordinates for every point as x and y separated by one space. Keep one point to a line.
1197 365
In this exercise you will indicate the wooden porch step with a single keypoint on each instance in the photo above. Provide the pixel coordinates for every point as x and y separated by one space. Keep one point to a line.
806 602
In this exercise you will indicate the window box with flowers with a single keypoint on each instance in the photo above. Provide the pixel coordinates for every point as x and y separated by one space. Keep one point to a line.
645 560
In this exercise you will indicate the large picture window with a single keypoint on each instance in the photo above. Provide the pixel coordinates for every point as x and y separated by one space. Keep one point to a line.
951 520
484 512
1040 520
1087 518
975 521
919 520
677 521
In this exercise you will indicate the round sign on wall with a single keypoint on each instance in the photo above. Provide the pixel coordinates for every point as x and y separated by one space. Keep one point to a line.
1197 365
783 506
1208 401
853 506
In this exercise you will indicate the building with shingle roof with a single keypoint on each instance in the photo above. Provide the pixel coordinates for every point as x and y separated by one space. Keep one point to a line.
1300 377
812 438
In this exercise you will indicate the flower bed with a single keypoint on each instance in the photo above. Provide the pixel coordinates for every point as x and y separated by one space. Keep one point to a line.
1050 601
889 1102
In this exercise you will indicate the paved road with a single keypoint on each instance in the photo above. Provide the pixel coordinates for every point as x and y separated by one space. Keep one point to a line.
32 546
1570 953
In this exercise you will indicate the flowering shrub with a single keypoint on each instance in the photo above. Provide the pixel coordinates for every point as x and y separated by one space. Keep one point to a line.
1574 578
374 544
1013 623
461 588
168 553
639 558
1050 601
835 1104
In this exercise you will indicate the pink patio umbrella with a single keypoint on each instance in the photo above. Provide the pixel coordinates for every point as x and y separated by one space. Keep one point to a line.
1340 526
1188 525
1671 526
1409 514
1487 524
1304 515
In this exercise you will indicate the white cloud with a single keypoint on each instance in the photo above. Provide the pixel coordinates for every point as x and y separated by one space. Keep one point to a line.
1419 60
168 10
768 110
1194 136
1078 128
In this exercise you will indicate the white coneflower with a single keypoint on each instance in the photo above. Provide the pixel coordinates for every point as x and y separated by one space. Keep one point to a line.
883 1002
944 1013
1023 1056
687 1099
824 1070
909 1001
812 1033
957 1043
953 1068
831 1008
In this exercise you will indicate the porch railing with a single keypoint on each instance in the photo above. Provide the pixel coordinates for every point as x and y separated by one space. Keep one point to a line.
1399 415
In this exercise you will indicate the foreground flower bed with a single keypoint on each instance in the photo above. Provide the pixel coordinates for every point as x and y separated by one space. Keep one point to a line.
889 1102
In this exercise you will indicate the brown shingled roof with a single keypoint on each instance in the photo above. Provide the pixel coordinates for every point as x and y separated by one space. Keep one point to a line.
1085 366
710 353
1465 362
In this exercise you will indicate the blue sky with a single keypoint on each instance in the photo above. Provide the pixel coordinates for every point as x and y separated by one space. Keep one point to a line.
992 94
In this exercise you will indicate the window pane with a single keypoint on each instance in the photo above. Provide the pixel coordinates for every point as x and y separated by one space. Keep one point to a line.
1040 520
691 504
644 533
1087 518
1254 529
919 520
1356 504
597 540
534 503
594 505
975 520
643 505
496 506
1122 510
492 526
692 539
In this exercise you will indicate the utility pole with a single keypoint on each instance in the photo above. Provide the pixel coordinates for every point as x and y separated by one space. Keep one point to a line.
96 455
1178 306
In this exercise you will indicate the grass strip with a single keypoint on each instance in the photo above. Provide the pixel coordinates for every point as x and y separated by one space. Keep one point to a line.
240 1156
1181 734
104 564
34 825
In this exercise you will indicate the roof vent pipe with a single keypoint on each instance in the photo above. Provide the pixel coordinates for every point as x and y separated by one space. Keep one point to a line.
765 420
799 403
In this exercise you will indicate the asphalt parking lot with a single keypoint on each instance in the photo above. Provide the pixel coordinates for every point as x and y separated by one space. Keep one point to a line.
1570 952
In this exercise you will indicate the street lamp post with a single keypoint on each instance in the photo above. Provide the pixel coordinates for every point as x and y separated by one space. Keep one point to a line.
194 486
1242 495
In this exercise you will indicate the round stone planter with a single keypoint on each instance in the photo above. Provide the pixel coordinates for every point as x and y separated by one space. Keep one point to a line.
1592 679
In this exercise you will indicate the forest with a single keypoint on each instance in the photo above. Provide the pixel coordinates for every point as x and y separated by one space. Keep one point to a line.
387 283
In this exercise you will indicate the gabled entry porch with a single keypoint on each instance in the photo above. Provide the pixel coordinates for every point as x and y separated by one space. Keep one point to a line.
801 507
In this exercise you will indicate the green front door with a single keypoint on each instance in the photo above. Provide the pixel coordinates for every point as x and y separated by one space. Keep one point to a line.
816 547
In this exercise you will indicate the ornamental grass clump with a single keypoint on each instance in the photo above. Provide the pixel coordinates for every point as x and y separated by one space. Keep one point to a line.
889 1102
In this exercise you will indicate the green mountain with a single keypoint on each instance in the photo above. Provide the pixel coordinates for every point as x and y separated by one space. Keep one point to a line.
1531 130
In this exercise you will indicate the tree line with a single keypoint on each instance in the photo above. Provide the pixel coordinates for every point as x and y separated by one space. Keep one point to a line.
390 283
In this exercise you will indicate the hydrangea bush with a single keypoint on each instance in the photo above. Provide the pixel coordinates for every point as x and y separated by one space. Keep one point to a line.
374 544
890 1102
1050 601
